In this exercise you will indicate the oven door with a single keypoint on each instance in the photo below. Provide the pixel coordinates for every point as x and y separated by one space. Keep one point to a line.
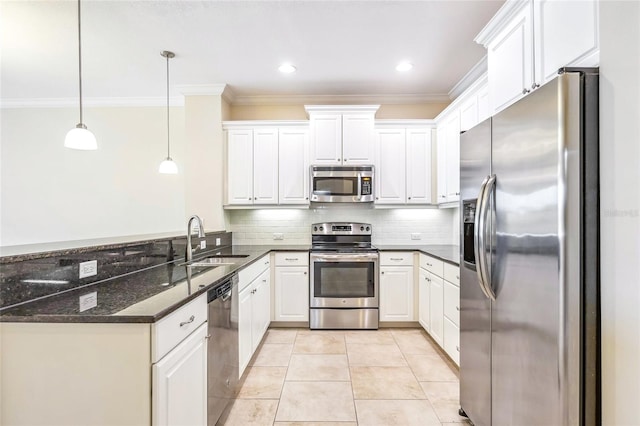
345 280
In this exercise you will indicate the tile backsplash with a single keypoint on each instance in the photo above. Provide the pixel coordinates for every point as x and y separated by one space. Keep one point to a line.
390 226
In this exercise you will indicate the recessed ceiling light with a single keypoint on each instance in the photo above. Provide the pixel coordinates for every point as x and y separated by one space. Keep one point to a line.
287 68
404 66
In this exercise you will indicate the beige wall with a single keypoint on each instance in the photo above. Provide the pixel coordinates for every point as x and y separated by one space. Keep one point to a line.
620 210
50 193
297 112
204 168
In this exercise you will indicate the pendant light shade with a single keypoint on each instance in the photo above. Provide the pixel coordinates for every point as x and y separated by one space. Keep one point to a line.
168 166
79 137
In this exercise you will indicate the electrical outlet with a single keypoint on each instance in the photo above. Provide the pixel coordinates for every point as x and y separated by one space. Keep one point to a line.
88 269
416 236
218 241
278 236
88 301
203 244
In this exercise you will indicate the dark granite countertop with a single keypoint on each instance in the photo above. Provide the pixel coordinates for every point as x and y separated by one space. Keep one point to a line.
144 296
150 294
448 253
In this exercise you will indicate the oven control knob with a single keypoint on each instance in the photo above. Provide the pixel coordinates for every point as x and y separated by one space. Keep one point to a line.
362 228
344 300
367 228
315 228
321 228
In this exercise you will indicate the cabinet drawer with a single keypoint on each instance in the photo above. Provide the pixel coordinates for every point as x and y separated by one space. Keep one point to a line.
432 265
174 328
300 258
452 340
251 272
452 302
452 273
396 258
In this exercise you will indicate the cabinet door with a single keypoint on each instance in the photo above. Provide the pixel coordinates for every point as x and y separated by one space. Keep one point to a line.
510 61
436 302
357 139
291 293
293 173
326 138
483 103
396 293
390 173
441 141
245 343
452 302
240 167
418 166
423 299
453 158
469 113
180 383
566 33
452 340
261 305
265 166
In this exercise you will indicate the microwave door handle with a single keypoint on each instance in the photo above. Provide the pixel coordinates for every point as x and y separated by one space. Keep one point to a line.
359 186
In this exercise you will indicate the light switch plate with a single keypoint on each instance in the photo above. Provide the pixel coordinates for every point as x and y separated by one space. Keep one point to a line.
218 241
88 269
88 301
278 236
416 236
203 244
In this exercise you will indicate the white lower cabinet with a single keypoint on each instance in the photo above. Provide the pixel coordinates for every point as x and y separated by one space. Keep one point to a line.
396 287
254 309
291 287
180 383
436 308
424 288
452 340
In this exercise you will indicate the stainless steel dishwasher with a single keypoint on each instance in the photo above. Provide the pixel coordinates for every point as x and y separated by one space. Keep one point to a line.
222 355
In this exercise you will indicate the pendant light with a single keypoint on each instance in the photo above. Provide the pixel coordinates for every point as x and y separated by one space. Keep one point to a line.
168 166
79 137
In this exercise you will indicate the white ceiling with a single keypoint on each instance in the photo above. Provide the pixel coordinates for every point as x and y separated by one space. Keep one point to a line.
343 48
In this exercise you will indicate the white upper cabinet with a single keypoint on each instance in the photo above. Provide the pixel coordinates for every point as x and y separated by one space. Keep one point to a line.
448 135
528 41
419 166
342 135
403 168
265 166
390 170
566 33
240 166
293 176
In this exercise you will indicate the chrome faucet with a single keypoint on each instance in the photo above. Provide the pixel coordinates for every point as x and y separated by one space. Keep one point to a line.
190 250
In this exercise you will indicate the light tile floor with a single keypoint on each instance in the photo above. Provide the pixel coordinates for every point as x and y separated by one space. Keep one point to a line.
347 378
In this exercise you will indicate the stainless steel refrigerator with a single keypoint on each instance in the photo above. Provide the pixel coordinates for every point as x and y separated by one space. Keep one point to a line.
529 259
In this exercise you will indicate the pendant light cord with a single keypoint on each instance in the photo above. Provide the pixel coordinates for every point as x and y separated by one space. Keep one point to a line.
168 153
80 58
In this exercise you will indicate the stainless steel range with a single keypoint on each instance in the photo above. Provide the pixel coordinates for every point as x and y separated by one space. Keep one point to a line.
344 278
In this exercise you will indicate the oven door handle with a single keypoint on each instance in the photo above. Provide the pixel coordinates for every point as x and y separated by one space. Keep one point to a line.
344 257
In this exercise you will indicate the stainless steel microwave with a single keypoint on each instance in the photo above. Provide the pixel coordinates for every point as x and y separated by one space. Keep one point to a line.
342 184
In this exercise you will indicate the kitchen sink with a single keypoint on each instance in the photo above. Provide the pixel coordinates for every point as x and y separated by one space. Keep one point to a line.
217 261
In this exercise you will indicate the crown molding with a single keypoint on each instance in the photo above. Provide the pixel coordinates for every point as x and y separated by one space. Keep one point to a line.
497 22
176 101
469 78
409 123
252 124
339 99
201 89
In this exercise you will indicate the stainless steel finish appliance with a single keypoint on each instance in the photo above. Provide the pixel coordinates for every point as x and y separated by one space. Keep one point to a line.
342 184
529 291
222 355
344 278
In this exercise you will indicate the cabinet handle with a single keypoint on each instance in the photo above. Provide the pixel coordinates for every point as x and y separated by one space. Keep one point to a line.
525 91
428 264
457 193
338 159
443 196
266 263
345 160
306 198
458 348
188 322
457 277
458 308
264 281
290 258
377 198
207 337
255 198
382 272
396 258
305 273
535 85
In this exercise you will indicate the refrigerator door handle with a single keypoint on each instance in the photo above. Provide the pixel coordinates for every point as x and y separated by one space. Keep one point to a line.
477 236
482 247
